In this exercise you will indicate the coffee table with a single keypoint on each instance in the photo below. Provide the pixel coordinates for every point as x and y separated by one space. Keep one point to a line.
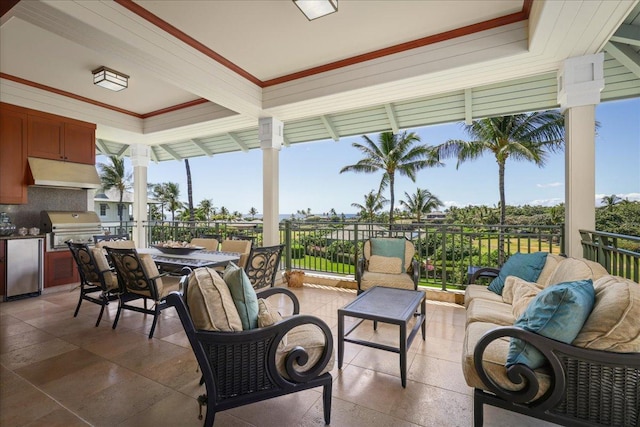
386 305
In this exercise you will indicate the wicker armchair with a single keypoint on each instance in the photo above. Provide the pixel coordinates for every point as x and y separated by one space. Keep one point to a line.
244 367
586 387
406 276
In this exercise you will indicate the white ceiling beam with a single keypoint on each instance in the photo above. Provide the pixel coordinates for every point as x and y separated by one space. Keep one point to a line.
122 149
393 120
330 128
154 155
237 140
202 147
628 34
285 141
468 106
626 55
102 147
171 152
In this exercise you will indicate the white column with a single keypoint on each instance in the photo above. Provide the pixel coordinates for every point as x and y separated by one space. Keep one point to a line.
580 81
140 154
271 136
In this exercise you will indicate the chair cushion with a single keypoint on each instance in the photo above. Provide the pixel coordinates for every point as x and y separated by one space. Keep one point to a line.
267 314
383 264
243 294
117 244
389 247
524 266
208 244
311 338
370 279
110 279
242 247
557 312
613 324
210 303
149 266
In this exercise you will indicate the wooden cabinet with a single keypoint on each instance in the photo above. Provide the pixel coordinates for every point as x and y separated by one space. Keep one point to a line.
13 156
3 265
57 138
59 269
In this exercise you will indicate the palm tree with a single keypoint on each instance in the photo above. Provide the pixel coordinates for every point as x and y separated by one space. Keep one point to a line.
189 192
610 201
373 202
205 207
520 137
171 193
393 153
422 202
253 212
114 175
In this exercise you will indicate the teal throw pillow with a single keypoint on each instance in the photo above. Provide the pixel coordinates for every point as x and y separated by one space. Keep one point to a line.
243 294
389 247
557 312
525 266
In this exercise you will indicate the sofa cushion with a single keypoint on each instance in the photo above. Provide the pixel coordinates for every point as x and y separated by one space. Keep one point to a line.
613 324
383 264
511 285
524 266
493 361
573 269
479 291
390 248
370 279
557 312
210 303
523 294
482 310
243 294
550 265
309 337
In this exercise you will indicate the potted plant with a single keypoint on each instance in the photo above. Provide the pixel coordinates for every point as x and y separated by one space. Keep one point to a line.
294 278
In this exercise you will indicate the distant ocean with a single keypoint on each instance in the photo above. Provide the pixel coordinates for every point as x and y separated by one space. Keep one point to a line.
288 216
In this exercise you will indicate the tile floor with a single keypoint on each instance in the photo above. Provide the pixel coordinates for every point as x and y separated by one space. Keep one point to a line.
57 370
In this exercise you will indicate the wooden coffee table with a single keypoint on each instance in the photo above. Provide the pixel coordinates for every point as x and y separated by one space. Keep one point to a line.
386 305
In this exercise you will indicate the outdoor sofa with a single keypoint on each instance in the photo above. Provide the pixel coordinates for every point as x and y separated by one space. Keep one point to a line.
590 380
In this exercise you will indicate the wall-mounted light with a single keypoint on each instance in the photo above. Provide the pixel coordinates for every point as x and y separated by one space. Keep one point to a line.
313 9
110 79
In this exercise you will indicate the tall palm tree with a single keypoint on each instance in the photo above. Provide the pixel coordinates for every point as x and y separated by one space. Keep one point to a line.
206 207
114 175
394 153
171 193
189 192
373 202
519 137
421 202
253 212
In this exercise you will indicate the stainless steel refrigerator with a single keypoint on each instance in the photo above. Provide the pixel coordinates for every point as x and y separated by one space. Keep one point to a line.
24 267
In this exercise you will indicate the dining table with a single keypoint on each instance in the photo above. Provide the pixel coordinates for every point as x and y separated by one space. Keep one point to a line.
195 259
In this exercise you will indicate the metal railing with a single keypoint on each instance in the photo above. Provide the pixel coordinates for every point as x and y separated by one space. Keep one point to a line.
618 254
447 253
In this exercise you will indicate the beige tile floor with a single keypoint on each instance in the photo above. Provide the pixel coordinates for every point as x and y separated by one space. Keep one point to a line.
57 370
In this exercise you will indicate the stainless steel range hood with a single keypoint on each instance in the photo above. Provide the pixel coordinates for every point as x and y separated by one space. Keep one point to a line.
54 173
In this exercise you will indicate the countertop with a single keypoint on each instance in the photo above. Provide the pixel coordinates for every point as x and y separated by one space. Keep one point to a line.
17 236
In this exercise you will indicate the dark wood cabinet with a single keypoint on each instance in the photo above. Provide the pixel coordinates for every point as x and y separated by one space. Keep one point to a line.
13 156
3 265
59 269
57 138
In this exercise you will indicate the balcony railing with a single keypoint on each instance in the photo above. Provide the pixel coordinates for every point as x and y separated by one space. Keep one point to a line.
618 253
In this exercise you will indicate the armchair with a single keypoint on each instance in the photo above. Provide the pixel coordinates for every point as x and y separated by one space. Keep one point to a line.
242 367
388 262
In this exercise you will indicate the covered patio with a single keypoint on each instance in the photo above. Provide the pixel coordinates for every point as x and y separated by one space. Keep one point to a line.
202 86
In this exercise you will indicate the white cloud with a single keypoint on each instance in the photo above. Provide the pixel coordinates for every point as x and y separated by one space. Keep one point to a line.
546 202
551 184
448 203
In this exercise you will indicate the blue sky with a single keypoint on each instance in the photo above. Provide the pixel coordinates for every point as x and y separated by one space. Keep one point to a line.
310 178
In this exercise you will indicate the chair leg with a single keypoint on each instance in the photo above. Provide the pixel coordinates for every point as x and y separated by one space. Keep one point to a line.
478 416
104 304
326 402
75 314
155 318
115 322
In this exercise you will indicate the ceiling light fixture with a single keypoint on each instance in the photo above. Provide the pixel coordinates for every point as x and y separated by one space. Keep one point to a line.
313 9
110 79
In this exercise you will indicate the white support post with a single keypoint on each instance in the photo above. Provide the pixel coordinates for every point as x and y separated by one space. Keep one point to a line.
140 155
271 135
580 81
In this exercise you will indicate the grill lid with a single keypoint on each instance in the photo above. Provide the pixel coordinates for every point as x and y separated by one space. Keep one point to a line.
63 221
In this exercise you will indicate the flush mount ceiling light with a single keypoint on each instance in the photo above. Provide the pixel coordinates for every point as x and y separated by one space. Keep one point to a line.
313 9
110 79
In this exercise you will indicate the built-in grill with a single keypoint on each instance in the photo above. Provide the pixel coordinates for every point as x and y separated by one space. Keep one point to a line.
61 226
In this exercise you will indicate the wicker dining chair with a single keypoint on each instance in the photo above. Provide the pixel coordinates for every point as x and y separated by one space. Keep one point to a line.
98 283
139 278
262 265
